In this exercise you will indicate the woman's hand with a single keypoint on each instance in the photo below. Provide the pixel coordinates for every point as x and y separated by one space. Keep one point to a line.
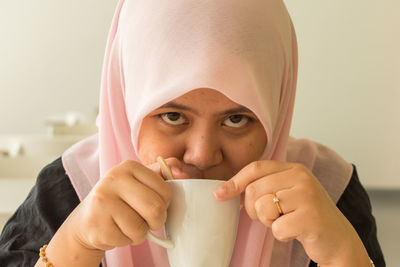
119 210
309 215
128 201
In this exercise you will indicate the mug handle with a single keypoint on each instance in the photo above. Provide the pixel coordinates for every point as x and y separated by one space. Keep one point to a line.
166 243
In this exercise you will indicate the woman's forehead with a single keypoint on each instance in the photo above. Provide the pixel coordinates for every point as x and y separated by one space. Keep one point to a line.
206 99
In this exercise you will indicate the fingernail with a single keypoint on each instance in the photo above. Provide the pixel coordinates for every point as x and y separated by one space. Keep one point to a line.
178 173
221 191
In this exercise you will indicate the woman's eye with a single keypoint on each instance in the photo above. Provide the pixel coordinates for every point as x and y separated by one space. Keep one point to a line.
173 118
236 121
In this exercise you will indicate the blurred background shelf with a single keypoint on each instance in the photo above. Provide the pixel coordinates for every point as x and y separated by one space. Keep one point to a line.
22 157
17 177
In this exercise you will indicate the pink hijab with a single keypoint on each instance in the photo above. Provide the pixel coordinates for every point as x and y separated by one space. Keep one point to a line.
160 50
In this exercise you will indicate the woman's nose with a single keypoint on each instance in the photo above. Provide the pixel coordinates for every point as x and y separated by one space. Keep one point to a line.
202 149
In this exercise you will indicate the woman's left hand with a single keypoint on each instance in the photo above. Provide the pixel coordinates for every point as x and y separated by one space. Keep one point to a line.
309 214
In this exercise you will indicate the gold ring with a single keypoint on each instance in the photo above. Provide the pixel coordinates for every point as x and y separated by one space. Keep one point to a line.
276 201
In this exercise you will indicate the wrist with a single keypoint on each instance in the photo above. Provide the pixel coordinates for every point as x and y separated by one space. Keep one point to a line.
65 250
351 254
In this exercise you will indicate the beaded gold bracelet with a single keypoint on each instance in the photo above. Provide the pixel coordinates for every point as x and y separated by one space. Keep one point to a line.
42 255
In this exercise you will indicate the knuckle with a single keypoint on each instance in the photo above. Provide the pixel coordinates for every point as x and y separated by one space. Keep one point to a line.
128 166
309 192
94 241
301 171
128 162
262 213
255 167
251 192
98 198
110 177
259 206
278 231
156 211
298 167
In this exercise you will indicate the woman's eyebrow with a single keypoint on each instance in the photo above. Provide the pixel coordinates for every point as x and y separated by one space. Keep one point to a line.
239 109
178 106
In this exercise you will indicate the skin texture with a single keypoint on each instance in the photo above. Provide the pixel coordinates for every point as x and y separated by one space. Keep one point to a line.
223 141
209 144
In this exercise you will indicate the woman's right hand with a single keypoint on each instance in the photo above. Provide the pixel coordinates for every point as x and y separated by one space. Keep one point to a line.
119 210
128 201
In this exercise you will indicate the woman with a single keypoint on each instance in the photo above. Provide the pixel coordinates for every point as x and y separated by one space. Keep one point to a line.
210 86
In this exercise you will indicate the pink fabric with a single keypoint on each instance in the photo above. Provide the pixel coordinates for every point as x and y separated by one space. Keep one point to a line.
160 50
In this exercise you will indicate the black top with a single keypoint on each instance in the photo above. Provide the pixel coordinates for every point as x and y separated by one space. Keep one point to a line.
53 198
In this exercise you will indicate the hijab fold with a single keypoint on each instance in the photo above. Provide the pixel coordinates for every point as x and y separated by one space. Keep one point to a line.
159 50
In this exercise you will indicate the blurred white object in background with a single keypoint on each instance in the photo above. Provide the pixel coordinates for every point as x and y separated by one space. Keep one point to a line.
10 148
71 123
23 156
14 146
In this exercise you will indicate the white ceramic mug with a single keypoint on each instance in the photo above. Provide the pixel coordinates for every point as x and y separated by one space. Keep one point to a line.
201 230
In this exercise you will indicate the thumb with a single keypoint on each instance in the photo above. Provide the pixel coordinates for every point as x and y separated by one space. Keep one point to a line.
178 173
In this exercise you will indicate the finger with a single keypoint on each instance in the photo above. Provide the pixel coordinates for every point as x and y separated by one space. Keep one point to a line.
174 164
263 210
170 161
131 224
149 205
109 237
252 172
268 185
145 176
178 173
288 226
98 227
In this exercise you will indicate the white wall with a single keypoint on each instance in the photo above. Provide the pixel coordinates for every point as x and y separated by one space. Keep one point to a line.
349 82
51 54
349 73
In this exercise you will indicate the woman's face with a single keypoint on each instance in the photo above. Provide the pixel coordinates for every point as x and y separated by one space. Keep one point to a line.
213 136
